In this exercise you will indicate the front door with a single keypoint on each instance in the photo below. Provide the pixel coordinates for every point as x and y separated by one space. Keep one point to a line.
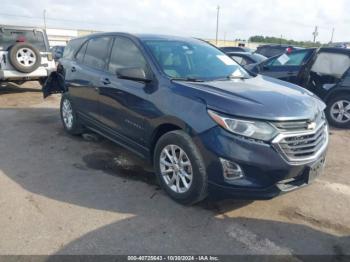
124 102
288 66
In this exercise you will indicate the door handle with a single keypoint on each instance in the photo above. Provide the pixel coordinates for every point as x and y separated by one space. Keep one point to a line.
73 69
106 81
290 73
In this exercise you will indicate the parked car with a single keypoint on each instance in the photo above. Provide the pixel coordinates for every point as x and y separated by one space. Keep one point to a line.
207 125
325 72
24 54
227 49
273 50
57 52
246 58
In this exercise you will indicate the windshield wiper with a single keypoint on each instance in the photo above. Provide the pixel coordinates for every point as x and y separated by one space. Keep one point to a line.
188 79
230 77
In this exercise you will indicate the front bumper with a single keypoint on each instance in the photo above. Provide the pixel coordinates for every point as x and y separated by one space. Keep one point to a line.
266 173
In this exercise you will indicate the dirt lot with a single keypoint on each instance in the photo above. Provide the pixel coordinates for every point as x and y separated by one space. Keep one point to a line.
69 195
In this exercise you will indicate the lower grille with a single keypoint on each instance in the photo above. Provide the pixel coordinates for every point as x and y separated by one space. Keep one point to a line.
303 146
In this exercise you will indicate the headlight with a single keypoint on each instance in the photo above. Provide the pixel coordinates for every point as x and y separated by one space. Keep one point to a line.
248 128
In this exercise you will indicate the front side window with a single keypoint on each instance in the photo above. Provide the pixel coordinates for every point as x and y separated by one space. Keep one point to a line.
193 59
97 52
292 59
125 54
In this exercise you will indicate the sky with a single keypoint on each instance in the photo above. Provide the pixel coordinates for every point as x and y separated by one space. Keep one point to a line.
239 19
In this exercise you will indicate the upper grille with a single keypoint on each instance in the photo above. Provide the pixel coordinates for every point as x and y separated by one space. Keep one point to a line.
302 145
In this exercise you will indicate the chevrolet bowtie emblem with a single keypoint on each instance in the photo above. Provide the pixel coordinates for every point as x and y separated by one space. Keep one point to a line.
311 126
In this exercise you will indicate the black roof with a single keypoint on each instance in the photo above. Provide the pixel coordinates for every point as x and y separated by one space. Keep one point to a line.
337 50
143 37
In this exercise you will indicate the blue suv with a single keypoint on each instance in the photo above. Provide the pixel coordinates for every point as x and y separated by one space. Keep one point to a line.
207 125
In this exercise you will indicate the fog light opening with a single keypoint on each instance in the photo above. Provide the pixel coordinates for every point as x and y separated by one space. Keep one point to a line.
231 170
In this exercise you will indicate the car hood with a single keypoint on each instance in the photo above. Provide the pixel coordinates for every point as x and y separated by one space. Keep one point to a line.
259 97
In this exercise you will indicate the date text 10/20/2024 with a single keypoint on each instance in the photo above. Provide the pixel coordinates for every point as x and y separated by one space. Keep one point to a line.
173 258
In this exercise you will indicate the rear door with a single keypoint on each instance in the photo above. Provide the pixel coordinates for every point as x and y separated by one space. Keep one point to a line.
85 75
287 67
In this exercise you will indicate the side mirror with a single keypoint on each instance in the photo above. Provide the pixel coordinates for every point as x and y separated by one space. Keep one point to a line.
133 73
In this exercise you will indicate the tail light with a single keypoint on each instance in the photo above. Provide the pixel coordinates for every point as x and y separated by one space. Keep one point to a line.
21 39
289 50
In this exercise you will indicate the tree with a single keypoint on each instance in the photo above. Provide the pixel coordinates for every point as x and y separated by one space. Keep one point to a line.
278 40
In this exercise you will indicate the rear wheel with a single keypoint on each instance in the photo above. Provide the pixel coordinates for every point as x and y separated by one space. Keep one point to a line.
69 117
338 111
180 168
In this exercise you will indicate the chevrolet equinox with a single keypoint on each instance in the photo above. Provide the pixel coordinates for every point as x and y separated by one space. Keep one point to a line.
205 123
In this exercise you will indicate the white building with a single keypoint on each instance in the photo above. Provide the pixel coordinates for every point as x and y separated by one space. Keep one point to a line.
62 36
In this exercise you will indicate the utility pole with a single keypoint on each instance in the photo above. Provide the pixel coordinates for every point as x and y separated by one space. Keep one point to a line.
44 16
315 33
217 24
332 35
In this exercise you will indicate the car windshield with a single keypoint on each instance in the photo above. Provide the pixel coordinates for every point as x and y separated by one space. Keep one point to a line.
194 61
9 37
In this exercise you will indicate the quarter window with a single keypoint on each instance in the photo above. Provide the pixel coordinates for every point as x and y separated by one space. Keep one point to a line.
81 53
97 52
125 54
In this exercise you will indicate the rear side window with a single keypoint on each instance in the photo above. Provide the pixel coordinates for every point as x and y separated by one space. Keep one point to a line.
125 54
72 47
97 52
9 37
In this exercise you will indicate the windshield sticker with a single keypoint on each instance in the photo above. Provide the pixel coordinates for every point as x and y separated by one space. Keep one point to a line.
283 59
226 60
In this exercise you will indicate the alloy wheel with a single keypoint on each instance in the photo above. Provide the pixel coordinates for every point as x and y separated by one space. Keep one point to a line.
26 57
67 114
176 169
340 111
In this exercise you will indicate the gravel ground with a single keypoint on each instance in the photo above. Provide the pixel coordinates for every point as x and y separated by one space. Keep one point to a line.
73 195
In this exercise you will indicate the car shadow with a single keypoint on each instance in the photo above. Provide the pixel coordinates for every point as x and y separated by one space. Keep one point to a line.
218 236
12 88
96 174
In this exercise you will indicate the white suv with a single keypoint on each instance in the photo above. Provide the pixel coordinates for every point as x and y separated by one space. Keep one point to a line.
24 55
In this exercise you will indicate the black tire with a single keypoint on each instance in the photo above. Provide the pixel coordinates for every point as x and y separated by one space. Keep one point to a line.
198 188
17 64
76 128
330 104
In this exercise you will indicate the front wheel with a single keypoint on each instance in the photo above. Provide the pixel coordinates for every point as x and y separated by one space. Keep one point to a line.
180 168
338 111
69 117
